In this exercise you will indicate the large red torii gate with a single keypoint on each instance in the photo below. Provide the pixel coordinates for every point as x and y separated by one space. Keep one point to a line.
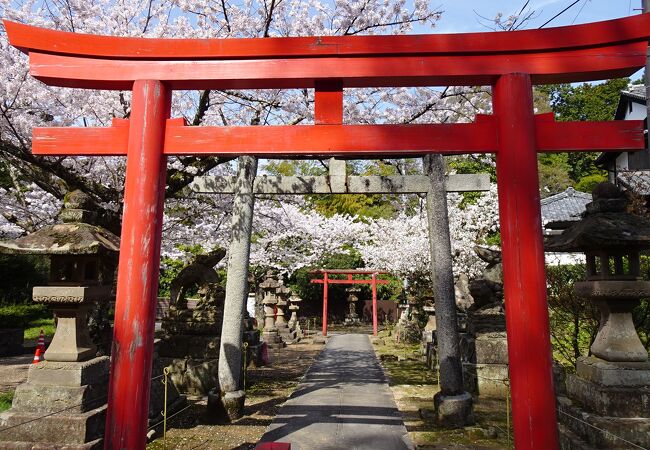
511 62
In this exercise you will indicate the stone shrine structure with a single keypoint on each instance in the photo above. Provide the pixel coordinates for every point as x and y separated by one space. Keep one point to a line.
352 318
286 331
484 346
294 307
190 344
606 400
72 382
270 334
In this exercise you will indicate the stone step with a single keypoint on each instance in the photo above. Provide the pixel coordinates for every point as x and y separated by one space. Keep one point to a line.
54 429
603 431
34 398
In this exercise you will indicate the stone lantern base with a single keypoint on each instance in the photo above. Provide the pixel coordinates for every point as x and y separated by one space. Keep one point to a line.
273 339
75 391
603 400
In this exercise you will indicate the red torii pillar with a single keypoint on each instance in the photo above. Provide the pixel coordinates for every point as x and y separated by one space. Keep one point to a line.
511 62
326 281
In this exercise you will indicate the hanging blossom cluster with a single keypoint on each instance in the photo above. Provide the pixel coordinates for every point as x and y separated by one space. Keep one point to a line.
401 245
288 237
27 103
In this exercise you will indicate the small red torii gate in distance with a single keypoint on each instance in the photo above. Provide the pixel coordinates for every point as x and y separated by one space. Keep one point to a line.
510 62
326 281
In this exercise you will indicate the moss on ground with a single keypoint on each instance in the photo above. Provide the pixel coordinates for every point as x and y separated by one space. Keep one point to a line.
5 400
414 385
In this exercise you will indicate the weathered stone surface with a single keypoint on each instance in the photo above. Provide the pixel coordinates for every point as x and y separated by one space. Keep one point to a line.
454 410
192 377
192 346
55 373
97 444
487 319
491 348
57 429
621 374
43 399
486 380
609 401
71 342
588 427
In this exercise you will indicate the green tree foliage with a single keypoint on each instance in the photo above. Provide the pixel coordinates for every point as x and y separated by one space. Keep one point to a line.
312 294
358 205
573 320
593 102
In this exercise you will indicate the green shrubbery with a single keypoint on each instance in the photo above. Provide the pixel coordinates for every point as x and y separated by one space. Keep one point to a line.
18 316
574 321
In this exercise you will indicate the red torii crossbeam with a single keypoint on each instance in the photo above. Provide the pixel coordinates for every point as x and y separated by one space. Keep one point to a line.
511 62
326 281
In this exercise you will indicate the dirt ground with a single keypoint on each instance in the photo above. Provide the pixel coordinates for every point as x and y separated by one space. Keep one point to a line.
267 389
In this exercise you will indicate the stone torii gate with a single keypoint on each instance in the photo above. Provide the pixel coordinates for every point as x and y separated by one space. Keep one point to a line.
511 62
434 184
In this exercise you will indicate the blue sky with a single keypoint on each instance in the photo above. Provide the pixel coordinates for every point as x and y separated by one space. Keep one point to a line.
459 15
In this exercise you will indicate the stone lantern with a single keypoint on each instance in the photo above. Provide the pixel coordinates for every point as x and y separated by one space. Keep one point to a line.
615 381
282 295
287 332
352 318
83 258
294 324
269 300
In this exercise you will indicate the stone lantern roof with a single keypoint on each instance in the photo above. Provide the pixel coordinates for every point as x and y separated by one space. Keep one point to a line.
606 225
75 236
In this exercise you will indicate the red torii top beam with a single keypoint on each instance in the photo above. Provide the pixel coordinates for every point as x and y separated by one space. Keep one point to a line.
326 281
510 61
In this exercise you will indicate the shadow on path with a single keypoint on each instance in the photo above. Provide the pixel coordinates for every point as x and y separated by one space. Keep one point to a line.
343 402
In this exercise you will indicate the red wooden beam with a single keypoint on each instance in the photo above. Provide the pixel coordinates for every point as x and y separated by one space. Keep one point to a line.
331 281
344 140
559 66
29 38
328 102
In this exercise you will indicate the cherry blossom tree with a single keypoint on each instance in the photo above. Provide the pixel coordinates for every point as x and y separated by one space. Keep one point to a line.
26 103
288 235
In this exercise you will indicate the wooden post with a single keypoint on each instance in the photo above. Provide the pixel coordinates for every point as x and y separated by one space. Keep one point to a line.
524 277
137 279
325 290
374 304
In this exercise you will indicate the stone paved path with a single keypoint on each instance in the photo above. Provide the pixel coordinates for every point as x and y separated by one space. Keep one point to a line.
343 402
13 371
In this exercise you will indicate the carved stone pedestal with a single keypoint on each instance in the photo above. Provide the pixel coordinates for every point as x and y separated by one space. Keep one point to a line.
604 400
77 389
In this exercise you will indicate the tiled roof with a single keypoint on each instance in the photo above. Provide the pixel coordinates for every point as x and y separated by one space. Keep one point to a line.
636 91
565 206
635 180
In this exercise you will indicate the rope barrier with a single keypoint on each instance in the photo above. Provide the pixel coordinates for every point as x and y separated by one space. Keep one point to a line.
97 400
602 430
170 417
